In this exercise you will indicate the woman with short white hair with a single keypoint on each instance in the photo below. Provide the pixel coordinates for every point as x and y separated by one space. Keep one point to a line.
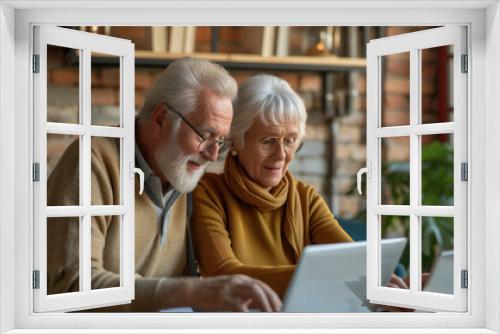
256 217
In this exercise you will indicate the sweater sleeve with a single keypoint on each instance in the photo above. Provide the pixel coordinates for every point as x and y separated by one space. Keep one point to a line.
213 245
324 228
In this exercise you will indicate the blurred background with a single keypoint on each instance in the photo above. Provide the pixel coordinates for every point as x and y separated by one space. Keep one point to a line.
326 66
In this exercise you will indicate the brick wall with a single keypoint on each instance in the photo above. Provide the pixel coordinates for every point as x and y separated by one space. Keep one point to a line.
312 164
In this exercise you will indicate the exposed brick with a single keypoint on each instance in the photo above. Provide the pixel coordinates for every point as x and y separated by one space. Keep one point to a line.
348 134
312 148
347 168
353 118
398 85
310 82
428 86
348 206
103 96
362 85
429 71
398 57
397 150
316 166
396 101
110 77
391 31
398 66
343 185
144 79
316 181
395 117
95 77
358 152
240 76
64 76
317 131
342 151
139 98
429 55
291 78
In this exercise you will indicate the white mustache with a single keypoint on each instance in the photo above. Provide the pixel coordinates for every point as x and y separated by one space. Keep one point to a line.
198 160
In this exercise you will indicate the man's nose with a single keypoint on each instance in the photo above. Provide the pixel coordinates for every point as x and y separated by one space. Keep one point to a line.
211 152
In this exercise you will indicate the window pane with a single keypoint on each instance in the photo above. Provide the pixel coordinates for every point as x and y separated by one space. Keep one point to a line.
437 84
395 227
437 254
63 163
106 232
395 166
395 92
63 82
437 169
63 255
105 89
106 179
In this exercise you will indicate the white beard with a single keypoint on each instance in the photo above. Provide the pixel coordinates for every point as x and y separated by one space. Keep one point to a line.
173 164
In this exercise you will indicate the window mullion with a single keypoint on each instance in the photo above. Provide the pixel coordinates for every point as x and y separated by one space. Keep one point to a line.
415 239
85 171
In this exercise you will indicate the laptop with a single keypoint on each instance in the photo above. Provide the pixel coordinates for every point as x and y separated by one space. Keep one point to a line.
332 277
441 280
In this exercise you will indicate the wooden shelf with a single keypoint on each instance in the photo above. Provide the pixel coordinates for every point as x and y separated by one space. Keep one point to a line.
249 61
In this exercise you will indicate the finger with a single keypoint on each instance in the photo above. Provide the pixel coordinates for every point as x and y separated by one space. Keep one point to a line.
238 305
399 282
272 297
259 297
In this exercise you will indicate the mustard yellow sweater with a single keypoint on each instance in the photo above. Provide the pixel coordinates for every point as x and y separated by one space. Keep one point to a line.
152 261
232 237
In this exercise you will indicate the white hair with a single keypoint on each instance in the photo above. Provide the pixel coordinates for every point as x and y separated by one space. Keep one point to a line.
182 82
269 98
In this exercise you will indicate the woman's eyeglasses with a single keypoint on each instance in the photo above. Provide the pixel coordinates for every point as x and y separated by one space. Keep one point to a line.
268 146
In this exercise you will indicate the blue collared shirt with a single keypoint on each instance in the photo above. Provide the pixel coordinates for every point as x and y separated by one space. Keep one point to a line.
153 188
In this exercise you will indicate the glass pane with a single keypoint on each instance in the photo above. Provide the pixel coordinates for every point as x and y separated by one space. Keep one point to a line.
106 233
437 254
395 170
437 84
105 89
392 260
437 169
106 180
395 92
63 255
63 163
63 82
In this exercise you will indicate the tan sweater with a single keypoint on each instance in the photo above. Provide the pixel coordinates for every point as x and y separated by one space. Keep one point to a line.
233 237
152 261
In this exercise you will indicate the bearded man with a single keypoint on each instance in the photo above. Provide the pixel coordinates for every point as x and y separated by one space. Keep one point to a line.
182 126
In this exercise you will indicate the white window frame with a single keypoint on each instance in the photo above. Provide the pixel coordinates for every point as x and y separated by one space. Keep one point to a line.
413 43
85 43
16 19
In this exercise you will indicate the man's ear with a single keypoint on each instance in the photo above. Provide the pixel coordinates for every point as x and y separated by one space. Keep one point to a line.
159 118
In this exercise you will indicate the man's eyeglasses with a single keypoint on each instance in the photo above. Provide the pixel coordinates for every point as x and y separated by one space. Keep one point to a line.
268 146
206 142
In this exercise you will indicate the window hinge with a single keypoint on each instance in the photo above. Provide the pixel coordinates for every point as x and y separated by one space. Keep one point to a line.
465 65
36 279
464 279
36 63
36 172
464 171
